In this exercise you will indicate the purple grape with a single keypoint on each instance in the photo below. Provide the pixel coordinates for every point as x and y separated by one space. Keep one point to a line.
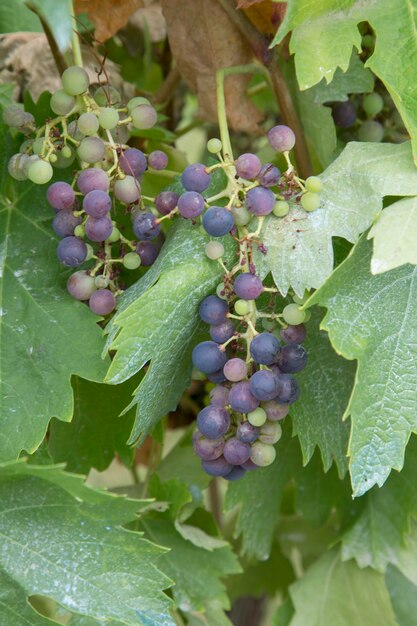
97 203
158 160
241 398
264 385
166 201
222 332
219 396
237 472
218 221
217 377
236 452
145 226
98 229
248 166
127 189
213 422
81 285
289 389
195 177
102 302
143 116
72 251
207 449
64 223
294 334
292 358
208 358
260 201
269 175
213 310
235 370
344 114
191 204
61 196
247 433
265 348
250 465
248 286
148 252
133 162
218 467
91 179
274 410
281 138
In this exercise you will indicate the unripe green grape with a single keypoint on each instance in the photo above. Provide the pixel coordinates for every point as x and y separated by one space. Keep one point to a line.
37 145
14 116
75 80
281 208
28 162
221 292
293 315
101 282
15 166
241 307
143 117
108 118
26 145
40 172
310 201
257 417
135 102
79 231
268 325
131 261
90 252
214 250
107 96
62 103
66 152
271 432
373 104
88 124
91 150
241 216
74 131
314 184
214 145
120 134
262 454
53 158
114 236
65 157
371 131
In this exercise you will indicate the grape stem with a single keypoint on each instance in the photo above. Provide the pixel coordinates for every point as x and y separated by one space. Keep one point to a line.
75 41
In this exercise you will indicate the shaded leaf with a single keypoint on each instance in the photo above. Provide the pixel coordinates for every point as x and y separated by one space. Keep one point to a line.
16 17
403 594
356 79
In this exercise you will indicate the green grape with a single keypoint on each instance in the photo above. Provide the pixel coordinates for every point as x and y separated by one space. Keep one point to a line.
373 104
15 166
143 116
281 208
214 250
26 145
293 315
219 290
271 432
88 124
114 236
53 158
37 145
108 118
107 96
262 454
310 201
79 231
214 145
40 172
66 152
257 417
371 131
135 102
241 216
131 261
268 325
91 150
62 103
75 80
101 282
28 162
14 116
65 157
241 307
90 252
314 184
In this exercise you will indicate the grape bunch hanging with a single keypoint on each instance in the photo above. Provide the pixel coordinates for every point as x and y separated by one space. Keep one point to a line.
255 348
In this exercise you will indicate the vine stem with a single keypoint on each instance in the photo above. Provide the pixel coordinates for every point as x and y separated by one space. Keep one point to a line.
76 48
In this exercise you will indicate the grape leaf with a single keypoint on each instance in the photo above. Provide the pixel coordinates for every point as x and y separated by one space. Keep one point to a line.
45 335
403 594
107 16
16 17
158 322
395 236
299 246
377 536
78 554
326 385
356 79
97 432
324 32
333 592
56 14
374 319
14 605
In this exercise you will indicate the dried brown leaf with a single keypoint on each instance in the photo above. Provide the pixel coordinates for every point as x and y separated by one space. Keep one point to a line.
108 16
203 40
244 4
265 15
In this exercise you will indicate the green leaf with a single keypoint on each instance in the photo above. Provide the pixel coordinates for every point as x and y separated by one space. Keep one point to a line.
395 235
326 385
97 432
284 614
158 322
15 606
299 246
373 319
45 335
16 17
64 540
403 594
56 14
377 536
324 32
356 79
332 592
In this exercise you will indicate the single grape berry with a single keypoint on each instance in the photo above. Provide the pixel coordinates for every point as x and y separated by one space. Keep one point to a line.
264 348
344 114
191 204
269 175
127 189
241 216
257 417
248 286
102 302
166 201
270 433
133 162
108 118
61 196
247 433
213 422
248 166
264 385
98 229
40 172
72 251
97 203
158 160
64 223
260 201
314 184
148 252
262 454
91 179
371 131
143 116
275 411
373 104
145 226
135 102
61 103
310 201
281 138
237 472
213 310
292 358
207 449
195 177
241 307
242 399
218 221
88 124
218 467
15 166
294 334
75 80
81 285
131 261
14 116
293 315
216 377
236 451
235 370
208 358
289 391
219 396
214 250
214 145
91 149
222 332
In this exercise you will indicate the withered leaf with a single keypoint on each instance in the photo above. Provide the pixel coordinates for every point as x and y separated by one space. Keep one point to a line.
108 16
